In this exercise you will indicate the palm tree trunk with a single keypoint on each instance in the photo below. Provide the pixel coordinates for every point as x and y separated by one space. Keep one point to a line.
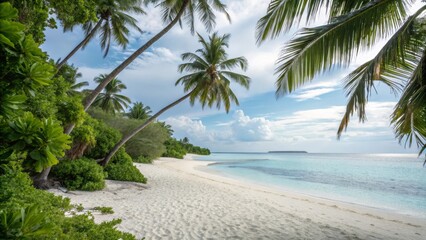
81 44
91 98
138 129
40 181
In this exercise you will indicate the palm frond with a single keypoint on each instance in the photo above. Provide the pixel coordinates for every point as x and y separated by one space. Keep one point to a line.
384 67
242 80
281 15
234 62
315 50
409 116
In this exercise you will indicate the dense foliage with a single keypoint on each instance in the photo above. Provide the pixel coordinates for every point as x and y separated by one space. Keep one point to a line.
29 213
121 168
148 144
178 149
105 138
82 174
35 137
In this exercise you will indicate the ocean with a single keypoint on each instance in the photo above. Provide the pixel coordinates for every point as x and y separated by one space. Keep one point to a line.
395 182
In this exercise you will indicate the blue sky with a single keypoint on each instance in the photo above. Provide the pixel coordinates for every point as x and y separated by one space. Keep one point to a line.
305 120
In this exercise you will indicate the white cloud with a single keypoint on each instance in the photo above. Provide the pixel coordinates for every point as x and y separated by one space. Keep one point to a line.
312 94
322 124
245 128
313 130
186 127
241 128
156 55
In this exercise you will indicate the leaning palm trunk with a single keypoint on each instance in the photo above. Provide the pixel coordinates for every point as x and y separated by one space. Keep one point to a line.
91 98
80 45
138 129
77 150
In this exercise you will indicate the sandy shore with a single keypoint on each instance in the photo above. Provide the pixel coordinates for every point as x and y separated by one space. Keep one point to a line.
181 201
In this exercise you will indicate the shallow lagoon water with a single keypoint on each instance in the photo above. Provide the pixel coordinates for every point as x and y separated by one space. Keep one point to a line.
395 182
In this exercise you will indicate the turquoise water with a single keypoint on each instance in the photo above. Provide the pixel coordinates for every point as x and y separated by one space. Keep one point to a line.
396 182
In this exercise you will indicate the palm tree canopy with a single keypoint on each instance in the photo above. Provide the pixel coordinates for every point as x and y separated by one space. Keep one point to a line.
109 100
70 74
203 8
116 21
139 111
355 26
210 73
167 127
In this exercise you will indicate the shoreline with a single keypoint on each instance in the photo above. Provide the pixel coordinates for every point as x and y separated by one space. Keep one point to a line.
283 190
184 201
200 169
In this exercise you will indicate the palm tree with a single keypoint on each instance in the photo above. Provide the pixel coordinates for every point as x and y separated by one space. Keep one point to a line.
173 12
114 20
71 74
110 101
139 111
354 26
208 81
167 127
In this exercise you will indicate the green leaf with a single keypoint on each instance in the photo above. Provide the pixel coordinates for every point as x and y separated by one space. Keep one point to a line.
10 32
5 40
7 11
10 104
41 73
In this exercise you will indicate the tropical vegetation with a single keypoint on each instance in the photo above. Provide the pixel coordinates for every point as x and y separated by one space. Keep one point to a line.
40 105
351 28
83 137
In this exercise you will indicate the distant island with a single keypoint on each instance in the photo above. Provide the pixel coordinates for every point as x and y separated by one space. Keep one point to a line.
287 152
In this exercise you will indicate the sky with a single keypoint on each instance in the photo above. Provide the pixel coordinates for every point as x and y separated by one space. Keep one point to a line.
307 119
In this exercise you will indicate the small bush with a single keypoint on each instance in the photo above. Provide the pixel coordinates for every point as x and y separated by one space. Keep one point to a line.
174 154
79 208
83 227
82 174
121 168
106 138
121 157
104 210
142 159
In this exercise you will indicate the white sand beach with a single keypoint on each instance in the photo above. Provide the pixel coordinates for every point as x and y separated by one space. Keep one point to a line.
181 201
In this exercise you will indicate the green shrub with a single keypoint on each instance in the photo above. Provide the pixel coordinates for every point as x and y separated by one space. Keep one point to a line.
104 210
106 138
125 173
17 192
121 157
44 214
148 143
83 227
174 154
178 149
82 174
121 168
24 223
142 159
